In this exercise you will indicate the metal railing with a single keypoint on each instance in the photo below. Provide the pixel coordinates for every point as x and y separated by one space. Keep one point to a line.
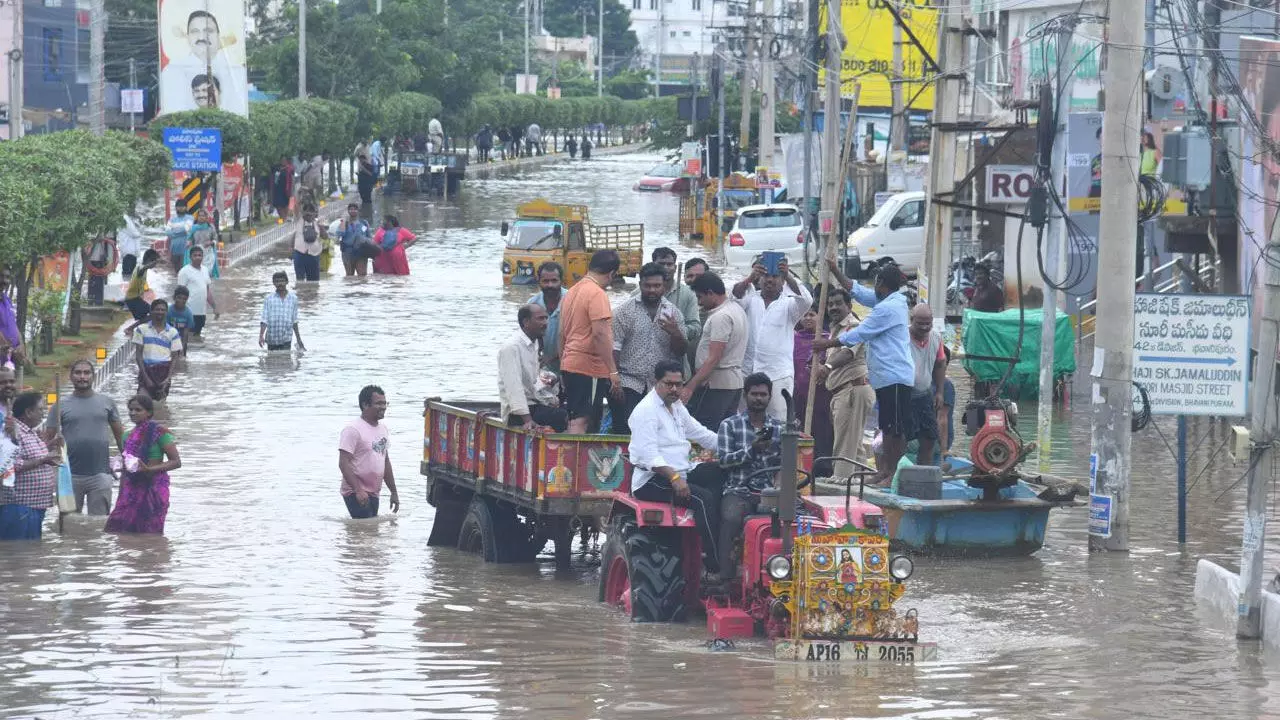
1204 281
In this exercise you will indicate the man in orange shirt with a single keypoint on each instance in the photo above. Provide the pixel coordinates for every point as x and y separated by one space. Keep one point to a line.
587 369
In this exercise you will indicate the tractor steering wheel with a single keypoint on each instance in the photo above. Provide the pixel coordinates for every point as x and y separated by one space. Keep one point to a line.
808 478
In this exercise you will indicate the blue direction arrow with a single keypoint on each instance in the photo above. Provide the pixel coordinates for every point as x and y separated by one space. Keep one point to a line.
1197 360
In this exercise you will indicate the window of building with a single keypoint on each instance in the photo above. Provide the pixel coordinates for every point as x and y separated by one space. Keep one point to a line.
687 33
52 54
673 33
697 4
635 4
653 4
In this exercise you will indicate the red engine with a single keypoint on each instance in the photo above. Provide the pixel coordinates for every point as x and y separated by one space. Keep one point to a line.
995 448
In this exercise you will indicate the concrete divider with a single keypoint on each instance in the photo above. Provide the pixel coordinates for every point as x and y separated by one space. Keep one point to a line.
1218 591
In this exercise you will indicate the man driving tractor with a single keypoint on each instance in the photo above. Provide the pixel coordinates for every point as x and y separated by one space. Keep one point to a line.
661 431
749 443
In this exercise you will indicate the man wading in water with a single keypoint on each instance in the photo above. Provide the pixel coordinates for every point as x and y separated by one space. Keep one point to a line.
363 458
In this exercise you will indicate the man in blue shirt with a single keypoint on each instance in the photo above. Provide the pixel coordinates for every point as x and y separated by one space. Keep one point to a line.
890 366
353 233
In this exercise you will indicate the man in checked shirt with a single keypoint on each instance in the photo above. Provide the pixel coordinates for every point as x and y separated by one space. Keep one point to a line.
749 444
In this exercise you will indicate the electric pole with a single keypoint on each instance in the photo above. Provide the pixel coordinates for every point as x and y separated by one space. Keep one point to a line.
744 86
766 86
302 49
1112 372
600 50
831 113
97 70
15 74
1262 454
810 86
942 149
526 40
1053 253
133 84
898 119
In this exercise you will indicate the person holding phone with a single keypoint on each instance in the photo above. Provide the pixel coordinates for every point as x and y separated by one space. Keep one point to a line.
772 314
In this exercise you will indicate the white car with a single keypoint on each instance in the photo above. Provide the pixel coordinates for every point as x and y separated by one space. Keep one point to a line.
895 232
758 228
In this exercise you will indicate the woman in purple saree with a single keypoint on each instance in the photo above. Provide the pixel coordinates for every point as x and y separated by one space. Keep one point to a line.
149 454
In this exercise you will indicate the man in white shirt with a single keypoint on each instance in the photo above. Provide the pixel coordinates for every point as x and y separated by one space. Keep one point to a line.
518 375
661 431
772 314
129 245
195 277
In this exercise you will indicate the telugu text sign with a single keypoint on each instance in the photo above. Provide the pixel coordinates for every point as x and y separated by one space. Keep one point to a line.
195 149
1191 353
868 53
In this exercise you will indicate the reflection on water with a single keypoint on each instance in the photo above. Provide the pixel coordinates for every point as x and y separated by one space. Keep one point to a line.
265 600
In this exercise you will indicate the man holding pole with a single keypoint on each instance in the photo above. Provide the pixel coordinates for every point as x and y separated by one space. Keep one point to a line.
845 370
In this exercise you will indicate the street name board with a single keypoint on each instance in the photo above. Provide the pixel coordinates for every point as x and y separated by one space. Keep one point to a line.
1191 353
195 149
1009 184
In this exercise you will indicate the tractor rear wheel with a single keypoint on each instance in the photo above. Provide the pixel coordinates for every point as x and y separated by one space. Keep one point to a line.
486 530
641 572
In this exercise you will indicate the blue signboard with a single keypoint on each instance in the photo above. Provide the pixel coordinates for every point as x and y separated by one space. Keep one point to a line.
195 149
1100 515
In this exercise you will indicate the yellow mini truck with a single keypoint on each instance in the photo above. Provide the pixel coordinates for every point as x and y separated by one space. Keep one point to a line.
543 231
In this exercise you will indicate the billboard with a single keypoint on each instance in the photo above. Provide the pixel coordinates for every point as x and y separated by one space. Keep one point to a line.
202 56
1259 166
868 51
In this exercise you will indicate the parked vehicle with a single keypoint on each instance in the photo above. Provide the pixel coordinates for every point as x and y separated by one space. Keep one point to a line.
758 228
960 288
544 231
663 177
895 232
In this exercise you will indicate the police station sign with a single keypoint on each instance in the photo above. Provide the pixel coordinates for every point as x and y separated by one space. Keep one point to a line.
1009 184
1191 353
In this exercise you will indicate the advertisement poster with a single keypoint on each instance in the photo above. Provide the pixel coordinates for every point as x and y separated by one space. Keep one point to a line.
202 56
1259 169
868 51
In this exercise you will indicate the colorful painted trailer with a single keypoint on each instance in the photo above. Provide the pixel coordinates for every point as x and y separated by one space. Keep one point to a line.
503 492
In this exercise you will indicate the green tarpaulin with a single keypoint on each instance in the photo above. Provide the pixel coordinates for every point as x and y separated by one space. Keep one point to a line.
996 335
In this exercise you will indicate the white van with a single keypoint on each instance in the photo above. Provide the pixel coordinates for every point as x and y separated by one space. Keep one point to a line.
895 232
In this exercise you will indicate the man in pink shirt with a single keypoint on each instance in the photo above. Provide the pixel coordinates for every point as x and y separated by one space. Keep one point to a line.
363 458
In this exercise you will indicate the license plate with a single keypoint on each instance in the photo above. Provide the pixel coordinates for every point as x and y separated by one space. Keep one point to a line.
410 170
855 651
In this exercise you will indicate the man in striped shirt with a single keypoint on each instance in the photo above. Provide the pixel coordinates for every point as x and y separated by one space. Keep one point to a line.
158 346
279 316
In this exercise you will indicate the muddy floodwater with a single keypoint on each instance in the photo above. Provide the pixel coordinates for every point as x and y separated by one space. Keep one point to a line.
264 601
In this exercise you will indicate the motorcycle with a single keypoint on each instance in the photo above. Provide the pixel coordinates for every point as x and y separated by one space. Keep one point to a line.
960 289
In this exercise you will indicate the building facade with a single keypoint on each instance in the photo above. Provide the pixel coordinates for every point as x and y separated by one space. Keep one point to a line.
673 32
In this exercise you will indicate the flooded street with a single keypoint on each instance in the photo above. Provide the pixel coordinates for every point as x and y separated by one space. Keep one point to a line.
265 600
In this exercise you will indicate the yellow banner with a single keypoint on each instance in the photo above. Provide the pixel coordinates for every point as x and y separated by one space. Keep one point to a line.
868 52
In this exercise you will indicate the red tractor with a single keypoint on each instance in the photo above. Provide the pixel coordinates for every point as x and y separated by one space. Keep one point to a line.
652 562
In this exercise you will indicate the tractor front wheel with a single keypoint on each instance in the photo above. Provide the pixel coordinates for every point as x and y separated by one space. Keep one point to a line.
641 573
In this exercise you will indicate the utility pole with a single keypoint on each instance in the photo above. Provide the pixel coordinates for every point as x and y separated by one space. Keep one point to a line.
898 120
133 83
831 113
302 49
1112 372
662 34
942 148
810 86
378 7
15 74
97 70
1262 454
744 86
722 145
600 50
526 39
766 86
1053 253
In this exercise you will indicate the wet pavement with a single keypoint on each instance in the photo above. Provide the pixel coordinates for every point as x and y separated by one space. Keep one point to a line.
264 600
